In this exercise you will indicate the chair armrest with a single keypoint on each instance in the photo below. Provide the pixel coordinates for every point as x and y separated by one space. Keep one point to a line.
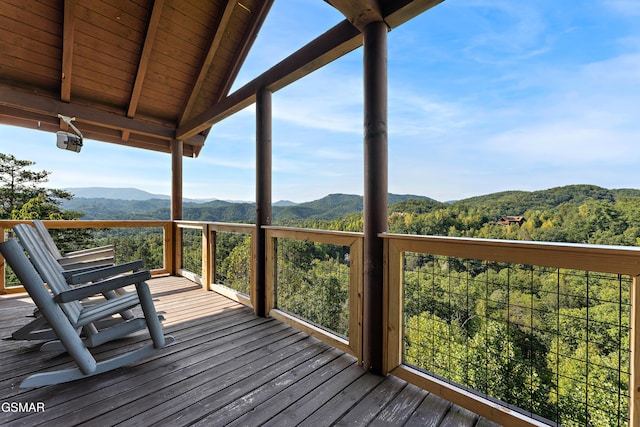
98 249
104 272
85 258
85 291
96 263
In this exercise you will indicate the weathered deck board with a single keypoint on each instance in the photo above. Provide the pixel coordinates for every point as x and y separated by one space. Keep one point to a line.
227 367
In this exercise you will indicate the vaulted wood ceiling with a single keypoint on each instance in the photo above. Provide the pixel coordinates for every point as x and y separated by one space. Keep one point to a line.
145 72
130 71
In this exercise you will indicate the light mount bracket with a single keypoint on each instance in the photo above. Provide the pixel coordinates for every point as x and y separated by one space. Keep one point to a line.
67 140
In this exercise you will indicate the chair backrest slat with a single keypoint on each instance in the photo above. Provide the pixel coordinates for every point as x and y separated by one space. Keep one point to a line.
47 266
12 251
44 234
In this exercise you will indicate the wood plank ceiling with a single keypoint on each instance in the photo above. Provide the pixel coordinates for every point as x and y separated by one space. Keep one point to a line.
145 72
130 71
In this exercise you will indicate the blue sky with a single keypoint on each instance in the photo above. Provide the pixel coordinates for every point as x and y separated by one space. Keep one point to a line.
484 96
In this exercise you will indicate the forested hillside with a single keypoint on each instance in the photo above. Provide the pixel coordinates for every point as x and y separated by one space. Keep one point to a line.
575 213
329 207
492 327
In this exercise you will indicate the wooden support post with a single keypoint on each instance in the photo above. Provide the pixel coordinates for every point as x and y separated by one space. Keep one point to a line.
3 268
263 194
634 356
375 191
177 151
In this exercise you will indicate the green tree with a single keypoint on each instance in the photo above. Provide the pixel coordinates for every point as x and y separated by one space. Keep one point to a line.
22 195
234 268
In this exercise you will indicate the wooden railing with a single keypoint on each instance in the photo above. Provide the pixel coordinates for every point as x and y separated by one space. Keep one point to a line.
202 277
621 261
353 342
215 231
617 261
168 240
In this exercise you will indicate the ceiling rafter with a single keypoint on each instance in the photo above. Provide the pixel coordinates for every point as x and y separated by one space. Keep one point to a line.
143 64
208 58
259 16
145 55
67 49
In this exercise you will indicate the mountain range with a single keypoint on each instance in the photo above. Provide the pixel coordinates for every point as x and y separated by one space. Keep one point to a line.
116 193
132 204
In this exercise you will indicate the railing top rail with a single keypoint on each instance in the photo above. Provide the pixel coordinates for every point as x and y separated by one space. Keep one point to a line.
313 231
600 258
233 227
321 236
190 224
82 223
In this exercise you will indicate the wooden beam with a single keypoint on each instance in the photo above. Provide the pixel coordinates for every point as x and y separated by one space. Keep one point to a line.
48 106
67 49
338 41
259 15
49 123
359 12
149 41
221 29
401 11
32 102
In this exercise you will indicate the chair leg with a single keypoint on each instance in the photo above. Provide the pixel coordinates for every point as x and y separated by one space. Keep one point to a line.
36 330
150 314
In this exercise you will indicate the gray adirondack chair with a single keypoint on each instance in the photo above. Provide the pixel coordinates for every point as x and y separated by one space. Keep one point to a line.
38 329
85 258
67 316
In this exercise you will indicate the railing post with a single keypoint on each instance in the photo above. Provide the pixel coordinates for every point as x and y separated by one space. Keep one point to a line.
169 247
634 356
392 307
213 244
375 191
206 258
3 268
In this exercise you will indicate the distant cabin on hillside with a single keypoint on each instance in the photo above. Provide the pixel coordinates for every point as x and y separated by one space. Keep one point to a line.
511 220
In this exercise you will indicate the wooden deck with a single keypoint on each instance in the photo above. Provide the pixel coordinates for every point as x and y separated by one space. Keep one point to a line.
227 367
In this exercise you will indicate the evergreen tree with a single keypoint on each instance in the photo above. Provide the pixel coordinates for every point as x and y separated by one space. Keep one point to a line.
22 195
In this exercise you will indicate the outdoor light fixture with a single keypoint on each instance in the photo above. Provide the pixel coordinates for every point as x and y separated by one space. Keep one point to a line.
67 140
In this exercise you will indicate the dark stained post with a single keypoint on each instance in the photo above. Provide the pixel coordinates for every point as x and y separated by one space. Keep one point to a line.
375 190
263 194
177 151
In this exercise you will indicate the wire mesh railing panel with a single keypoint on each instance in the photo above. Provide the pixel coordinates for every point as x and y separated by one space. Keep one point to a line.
233 261
312 283
192 250
130 243
549 342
